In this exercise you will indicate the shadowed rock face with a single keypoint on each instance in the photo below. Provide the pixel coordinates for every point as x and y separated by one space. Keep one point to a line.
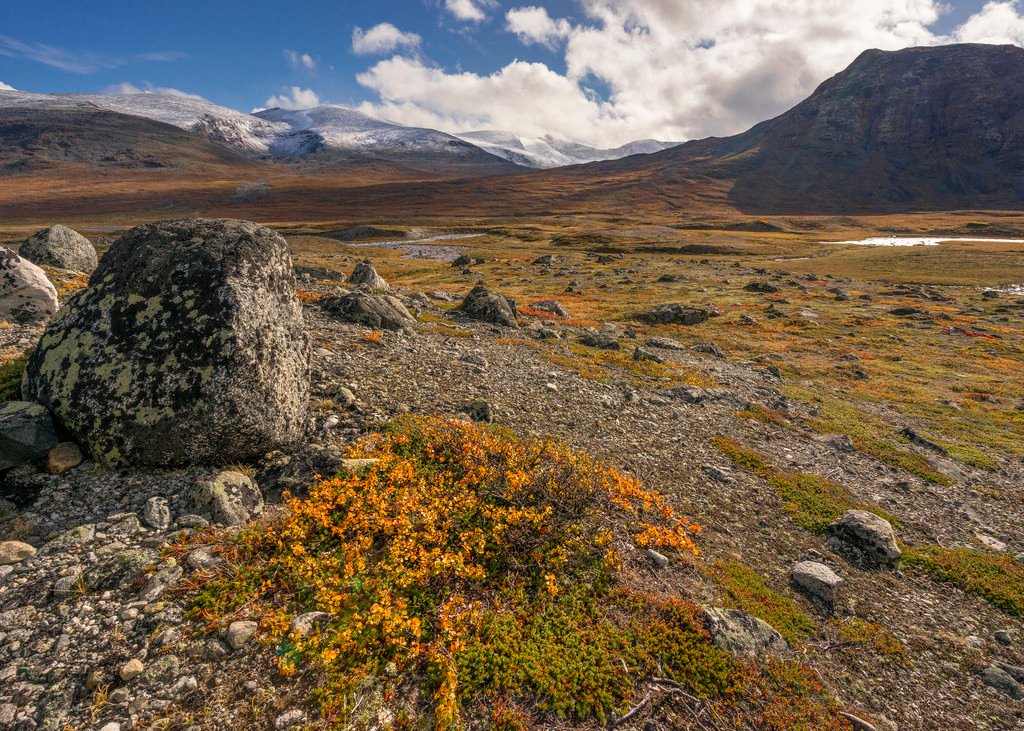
917 128
186 348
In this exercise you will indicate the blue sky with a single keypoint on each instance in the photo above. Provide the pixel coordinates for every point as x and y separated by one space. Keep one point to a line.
599 70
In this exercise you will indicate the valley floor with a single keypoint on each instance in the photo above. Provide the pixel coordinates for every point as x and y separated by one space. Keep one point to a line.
816 376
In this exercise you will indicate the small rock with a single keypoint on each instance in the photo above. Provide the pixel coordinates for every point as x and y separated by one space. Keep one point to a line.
660 561
1003 637
231 498
870 536
157 513
743 634
203 558
479 411
553 307
289 719
818 580
26 295
65 456
365 274
859 724
487 306
239 633
12 552
27 433
306 623
131 670
995 677
675 314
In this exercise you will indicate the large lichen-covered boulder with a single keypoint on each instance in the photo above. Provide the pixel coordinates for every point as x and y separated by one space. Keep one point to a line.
366 275
61 247
371 310
187 347
26 295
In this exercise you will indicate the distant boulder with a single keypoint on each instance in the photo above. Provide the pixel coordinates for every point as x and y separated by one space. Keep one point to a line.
675 314
366 275
487 306
187 347
26 295
370 310
761 286
60 247
553 307
869 536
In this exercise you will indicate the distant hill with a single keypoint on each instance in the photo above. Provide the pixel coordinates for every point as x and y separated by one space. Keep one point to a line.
921 128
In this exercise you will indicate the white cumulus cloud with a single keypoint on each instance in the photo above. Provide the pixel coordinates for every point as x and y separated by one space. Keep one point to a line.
380 39
296 98
996 22
668 69
534 25
299 61
470 11
126 87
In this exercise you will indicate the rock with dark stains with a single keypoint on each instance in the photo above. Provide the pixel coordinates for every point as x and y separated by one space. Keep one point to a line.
187 347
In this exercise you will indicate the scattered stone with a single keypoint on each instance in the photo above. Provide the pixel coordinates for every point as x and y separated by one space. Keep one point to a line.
307 623
859 724
27 433
818 580
912 436
601 341
157 513
709 349
1003 637
841 443
553 307
665 344
131 670
203 558
996 677
60 247
640 354
479 411
188 347
366 275
229 497
26 295
675 314
65 456
474 359
763 287
743 634
289 719
547 259
375 311
356 465
718 474
487 306
868 535
239 633
660 561
12 552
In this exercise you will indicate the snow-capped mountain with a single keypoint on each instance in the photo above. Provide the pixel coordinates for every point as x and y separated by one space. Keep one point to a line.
220 124
338 127
551 152
290 134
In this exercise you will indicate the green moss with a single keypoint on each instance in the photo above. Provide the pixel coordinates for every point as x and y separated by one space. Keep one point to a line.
858 633
11 374
745 589
998 578
813 501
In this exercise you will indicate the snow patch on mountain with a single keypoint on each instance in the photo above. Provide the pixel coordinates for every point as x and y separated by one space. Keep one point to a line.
551 152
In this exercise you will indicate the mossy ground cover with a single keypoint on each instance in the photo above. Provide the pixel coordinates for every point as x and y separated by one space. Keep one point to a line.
998 578
11 371
811 500
487 572
743 588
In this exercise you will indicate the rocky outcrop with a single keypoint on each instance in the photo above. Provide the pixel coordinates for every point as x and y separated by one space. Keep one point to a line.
26 295
366 275
187 347
26 433
553 307
228 498
370 310
60 247
674 314
487 306
743 634
868 536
